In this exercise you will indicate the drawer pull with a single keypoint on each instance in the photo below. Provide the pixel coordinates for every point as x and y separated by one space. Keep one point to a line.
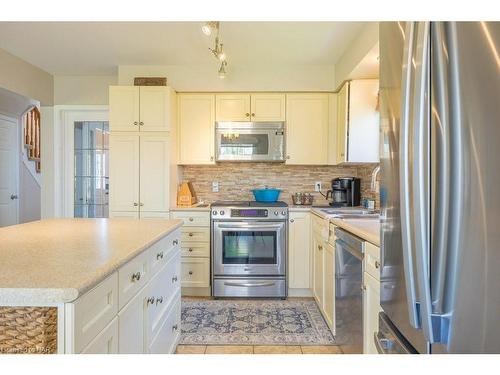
174 279
377 264
150 301
190 234
176 242
159 256
190 249
136 276
159 300
190 272
191 219
174 327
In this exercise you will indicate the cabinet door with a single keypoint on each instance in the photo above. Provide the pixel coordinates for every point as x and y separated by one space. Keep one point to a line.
299 254
267 107
232 107
154 108
106 342
166 339
329 286
131 322
371 308
196 128
124 173
318 281
154 175
123 108
342 122
307 129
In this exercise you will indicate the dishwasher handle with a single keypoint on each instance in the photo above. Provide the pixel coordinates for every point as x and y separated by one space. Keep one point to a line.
353 251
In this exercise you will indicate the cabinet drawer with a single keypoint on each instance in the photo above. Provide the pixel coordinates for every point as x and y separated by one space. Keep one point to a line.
192 218
372 260
195 234
93 311
201 250
106 341
165 341
162 289
160 251
132 277
195 272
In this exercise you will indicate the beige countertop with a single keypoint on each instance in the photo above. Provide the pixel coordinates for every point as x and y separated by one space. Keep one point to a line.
56 261
203 207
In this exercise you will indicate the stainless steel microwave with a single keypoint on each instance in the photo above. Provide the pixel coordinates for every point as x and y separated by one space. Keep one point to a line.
250 141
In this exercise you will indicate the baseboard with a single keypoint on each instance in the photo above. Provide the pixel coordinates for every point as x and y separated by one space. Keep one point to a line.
196 292
299 292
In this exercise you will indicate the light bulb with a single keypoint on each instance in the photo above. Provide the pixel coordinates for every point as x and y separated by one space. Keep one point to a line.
222 71
222 56
207 30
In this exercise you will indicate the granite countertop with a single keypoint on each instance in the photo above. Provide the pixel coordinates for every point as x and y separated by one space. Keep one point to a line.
56 261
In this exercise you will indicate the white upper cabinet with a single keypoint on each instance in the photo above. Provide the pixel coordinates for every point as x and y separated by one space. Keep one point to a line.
124 108
358 122
154 173
196 113
267 107
307 122
140 108
124 172
232 107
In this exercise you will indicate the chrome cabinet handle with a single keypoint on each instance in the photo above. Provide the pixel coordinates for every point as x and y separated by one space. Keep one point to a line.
377 264
136 204
136 276
190 234
159 300
174 327
141 123
159 256
174 279
191 219
190 272
13 196
292 220
253 114
320 247
150 301
247 114
175 242
135 122
190 249
141 204
288 156
211 158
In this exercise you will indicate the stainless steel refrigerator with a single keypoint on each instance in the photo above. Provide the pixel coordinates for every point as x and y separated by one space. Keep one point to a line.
440 187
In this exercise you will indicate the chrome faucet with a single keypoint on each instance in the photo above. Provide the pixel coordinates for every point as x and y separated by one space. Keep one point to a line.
375 173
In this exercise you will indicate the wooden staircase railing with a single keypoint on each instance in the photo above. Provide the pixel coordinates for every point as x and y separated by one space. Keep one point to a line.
32 136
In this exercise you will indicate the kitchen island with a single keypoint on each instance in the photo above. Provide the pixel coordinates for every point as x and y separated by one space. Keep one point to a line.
90 285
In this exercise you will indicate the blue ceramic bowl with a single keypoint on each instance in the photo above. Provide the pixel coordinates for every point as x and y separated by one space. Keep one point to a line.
266 195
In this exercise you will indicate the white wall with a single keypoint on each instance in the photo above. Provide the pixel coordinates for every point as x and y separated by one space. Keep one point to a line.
49 169
25 79
29 196
82 90
360 47
239 78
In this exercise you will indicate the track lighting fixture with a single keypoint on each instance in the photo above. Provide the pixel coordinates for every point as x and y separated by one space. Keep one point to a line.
218 50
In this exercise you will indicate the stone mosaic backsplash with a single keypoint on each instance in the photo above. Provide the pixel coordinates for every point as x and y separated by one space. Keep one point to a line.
237 179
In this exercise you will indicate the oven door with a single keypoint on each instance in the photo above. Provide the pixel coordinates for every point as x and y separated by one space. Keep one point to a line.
255 248
249 142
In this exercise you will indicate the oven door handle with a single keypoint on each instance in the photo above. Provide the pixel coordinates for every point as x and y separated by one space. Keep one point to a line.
250 285
250 226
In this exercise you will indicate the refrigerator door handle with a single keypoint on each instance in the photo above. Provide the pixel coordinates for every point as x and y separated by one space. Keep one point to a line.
421 178
404 176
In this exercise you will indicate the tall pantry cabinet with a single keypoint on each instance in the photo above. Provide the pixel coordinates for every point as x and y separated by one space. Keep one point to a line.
142 151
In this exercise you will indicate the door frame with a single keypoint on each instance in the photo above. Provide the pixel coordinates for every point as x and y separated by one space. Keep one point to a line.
17 123
68 116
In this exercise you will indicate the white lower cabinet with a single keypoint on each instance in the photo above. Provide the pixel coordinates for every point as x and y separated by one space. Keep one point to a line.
329 286
371 296
135 310
299 254
318 261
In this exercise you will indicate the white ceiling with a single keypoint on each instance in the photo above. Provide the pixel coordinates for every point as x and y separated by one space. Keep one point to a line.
97 48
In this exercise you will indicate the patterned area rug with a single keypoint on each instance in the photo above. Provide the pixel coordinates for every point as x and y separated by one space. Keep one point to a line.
253 322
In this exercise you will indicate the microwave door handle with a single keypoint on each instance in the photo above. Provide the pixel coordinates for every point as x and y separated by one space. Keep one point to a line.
404 177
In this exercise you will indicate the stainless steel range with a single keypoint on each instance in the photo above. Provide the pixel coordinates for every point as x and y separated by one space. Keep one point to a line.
249 249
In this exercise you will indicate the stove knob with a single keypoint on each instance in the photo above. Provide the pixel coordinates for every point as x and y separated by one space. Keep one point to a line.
214 212
276 213
221 212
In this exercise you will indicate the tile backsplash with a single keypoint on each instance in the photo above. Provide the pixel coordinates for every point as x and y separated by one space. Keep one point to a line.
237 179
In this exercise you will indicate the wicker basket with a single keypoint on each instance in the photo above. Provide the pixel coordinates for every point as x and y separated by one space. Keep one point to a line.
28 330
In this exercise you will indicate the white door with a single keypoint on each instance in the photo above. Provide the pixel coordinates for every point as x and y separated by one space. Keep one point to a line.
154 173
124 173
232 107
299 245
267 107
196 128
124 108
153 109
9 168
371 308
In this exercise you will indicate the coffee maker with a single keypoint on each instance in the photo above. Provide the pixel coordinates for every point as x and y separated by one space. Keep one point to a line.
345 192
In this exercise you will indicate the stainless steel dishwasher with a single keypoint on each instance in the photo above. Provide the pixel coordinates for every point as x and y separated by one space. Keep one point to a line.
348 292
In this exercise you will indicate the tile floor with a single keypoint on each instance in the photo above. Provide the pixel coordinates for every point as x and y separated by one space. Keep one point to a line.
257 349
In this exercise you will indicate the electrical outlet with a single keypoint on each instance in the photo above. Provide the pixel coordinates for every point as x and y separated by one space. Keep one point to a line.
317 186
215 186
